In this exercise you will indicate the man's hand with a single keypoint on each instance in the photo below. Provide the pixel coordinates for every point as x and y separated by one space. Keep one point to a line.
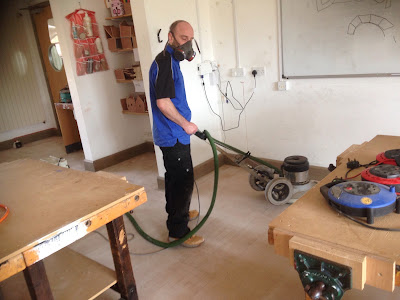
190 128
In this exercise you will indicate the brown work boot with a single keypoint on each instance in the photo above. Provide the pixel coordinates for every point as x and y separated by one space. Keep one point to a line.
193 215
193 242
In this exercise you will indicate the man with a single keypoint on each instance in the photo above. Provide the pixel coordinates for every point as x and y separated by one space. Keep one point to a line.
172 129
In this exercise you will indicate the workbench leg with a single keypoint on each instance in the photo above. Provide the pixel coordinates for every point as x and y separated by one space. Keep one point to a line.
36 279
122 260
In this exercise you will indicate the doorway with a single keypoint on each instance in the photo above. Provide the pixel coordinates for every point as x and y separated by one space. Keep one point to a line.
56 78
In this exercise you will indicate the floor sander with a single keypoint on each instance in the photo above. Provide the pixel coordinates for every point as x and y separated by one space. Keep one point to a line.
280 186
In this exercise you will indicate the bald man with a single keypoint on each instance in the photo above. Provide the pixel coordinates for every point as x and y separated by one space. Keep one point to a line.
172 129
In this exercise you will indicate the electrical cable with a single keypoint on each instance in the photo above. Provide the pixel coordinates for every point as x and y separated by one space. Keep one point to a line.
241 110
364 224
7 211
372 163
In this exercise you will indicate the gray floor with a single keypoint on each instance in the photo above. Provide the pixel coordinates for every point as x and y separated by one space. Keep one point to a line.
235 262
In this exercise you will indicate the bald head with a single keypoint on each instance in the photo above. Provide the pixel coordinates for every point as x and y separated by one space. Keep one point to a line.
180 32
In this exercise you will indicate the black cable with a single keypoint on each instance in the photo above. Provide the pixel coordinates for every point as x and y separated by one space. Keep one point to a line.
364 224
241 111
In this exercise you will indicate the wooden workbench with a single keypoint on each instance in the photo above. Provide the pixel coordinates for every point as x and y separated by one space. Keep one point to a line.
52 207
312 226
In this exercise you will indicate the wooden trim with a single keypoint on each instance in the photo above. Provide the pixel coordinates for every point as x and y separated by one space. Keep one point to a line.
82 228
127 112
118 157
29 138
119 17
12 266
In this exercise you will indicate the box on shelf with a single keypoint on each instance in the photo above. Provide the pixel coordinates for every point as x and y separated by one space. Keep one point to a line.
128 42
126 30
129 73
114 44
127 8
135 103
112 31
130 103
117 8
140 104
138 73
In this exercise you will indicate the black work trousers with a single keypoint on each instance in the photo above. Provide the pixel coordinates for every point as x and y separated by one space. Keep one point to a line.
179 182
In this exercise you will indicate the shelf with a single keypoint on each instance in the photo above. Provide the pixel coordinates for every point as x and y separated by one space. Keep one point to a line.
127 112
123 50
70 276
119 17
124 80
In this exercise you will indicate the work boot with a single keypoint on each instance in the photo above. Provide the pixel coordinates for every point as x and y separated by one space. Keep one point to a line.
193 242
193 215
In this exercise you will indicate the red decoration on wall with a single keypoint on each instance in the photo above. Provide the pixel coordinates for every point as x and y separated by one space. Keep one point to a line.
88 48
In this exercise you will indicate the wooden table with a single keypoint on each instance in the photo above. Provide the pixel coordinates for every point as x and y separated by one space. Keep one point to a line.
50 208
311 226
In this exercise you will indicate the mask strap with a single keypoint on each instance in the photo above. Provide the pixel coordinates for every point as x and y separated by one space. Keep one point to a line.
197 45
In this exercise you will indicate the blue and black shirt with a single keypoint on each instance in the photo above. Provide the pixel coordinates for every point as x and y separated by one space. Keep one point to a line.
166 81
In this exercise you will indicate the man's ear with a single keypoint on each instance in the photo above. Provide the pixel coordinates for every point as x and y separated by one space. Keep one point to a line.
170 38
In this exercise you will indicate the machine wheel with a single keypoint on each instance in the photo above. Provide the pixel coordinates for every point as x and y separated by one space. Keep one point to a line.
257 184
279 191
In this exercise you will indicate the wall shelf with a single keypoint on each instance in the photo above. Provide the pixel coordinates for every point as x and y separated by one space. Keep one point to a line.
124 80
123 50
127 112
119 17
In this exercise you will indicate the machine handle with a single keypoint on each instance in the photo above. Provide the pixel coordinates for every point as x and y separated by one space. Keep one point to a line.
201 135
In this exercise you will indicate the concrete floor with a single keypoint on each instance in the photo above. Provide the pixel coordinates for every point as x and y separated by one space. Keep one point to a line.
235 262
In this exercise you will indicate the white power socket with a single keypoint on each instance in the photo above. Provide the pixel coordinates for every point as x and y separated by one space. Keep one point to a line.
260 70
237 72
283 85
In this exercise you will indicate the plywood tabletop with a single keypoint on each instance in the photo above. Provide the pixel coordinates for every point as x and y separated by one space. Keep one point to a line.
43 199
312 217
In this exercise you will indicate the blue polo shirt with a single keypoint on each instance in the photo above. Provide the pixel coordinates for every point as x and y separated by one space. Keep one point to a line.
166 81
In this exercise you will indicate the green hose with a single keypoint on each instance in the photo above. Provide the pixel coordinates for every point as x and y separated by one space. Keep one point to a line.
191 233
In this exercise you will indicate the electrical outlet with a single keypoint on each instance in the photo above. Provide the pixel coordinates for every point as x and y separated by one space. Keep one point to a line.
283 85
237 72
260 70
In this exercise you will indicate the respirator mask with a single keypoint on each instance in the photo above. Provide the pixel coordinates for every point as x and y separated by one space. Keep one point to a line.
185 51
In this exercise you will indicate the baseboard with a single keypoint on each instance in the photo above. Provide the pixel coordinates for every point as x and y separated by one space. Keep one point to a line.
199 170
116 158
29 138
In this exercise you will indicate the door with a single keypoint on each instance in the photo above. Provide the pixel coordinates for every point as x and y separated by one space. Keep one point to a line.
57 80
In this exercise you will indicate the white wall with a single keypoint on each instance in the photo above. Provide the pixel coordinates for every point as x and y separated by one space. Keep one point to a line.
96 97
149 17
25 105
318 118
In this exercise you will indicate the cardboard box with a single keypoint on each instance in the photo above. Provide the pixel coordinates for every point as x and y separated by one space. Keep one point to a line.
126 30
131 104
140 105
119 74
111 31
127 8
128 42
114 44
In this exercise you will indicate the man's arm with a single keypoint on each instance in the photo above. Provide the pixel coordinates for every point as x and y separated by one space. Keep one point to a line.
169 110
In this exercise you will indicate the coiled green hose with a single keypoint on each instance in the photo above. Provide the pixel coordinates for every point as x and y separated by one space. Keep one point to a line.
191 233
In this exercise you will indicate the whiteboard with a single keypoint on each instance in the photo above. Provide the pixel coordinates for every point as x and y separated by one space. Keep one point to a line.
323 38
